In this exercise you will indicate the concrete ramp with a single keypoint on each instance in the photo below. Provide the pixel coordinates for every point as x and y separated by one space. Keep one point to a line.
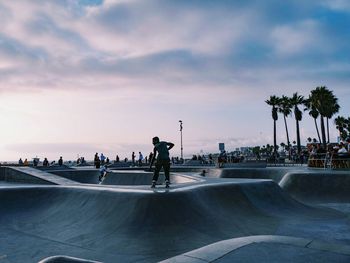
231 251
318 186
273 173
122 177
33 176
118 225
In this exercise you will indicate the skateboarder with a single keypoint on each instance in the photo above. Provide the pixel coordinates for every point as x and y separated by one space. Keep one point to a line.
161 152
103 173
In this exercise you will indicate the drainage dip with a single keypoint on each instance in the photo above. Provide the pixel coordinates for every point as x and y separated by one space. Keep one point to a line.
120 177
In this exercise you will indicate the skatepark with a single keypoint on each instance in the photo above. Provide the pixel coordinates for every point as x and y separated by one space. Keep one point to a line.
273 214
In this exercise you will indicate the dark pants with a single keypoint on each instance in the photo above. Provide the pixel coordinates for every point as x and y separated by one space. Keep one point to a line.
166 167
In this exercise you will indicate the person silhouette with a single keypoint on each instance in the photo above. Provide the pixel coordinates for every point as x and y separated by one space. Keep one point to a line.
133 158
140 159
161 152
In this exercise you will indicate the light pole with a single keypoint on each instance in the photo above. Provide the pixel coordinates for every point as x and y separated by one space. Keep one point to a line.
182 154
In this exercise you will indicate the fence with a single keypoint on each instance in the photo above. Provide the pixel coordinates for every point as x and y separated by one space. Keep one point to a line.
332 161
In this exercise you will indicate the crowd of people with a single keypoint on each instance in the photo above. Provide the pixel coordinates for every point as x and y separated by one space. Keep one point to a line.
35 162
335 155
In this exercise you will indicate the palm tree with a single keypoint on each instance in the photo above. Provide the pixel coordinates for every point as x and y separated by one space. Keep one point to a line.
274 102
295 101
341 125
313 113
285 108
332 108
324 101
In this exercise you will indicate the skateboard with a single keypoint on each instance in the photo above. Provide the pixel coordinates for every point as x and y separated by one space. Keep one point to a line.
167 185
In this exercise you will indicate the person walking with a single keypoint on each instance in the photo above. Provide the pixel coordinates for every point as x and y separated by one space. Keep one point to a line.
161 153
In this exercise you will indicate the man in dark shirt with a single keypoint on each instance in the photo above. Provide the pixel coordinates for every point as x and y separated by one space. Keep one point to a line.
161 152
60 161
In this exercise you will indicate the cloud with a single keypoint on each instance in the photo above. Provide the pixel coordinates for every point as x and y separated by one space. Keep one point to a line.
338 5
295 39
114 44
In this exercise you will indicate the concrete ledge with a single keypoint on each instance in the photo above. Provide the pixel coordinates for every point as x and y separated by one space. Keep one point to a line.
317 186
220 249
66 259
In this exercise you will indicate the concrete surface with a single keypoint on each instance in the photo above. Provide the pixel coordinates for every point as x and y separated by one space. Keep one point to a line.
65 259
119 177
250 218
31 175
286 249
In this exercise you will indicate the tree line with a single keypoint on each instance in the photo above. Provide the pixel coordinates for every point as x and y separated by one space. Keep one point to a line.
321 105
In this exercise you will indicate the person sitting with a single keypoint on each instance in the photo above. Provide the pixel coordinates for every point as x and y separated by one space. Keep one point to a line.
20 162
342 148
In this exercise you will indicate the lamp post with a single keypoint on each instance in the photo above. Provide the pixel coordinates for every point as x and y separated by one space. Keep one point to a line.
182 156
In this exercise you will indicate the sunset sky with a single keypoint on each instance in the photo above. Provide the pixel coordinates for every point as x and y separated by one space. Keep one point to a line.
79 77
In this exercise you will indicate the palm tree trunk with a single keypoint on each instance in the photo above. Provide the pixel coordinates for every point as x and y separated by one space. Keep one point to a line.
323 132
318 132
298 138
274 138
327 130
285 124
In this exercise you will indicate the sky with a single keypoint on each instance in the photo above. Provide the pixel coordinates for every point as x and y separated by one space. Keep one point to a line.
85 76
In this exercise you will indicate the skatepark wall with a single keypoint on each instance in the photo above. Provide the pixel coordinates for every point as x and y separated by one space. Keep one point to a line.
119 177
81 176
12 174
275 174
320 186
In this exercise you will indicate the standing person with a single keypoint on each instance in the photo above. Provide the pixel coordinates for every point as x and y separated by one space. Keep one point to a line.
98 163
150 156
60 161
95 159
163 160
133 158
45 162
140 158
102 158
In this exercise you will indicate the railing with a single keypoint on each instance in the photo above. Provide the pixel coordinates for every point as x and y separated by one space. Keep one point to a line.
331 161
